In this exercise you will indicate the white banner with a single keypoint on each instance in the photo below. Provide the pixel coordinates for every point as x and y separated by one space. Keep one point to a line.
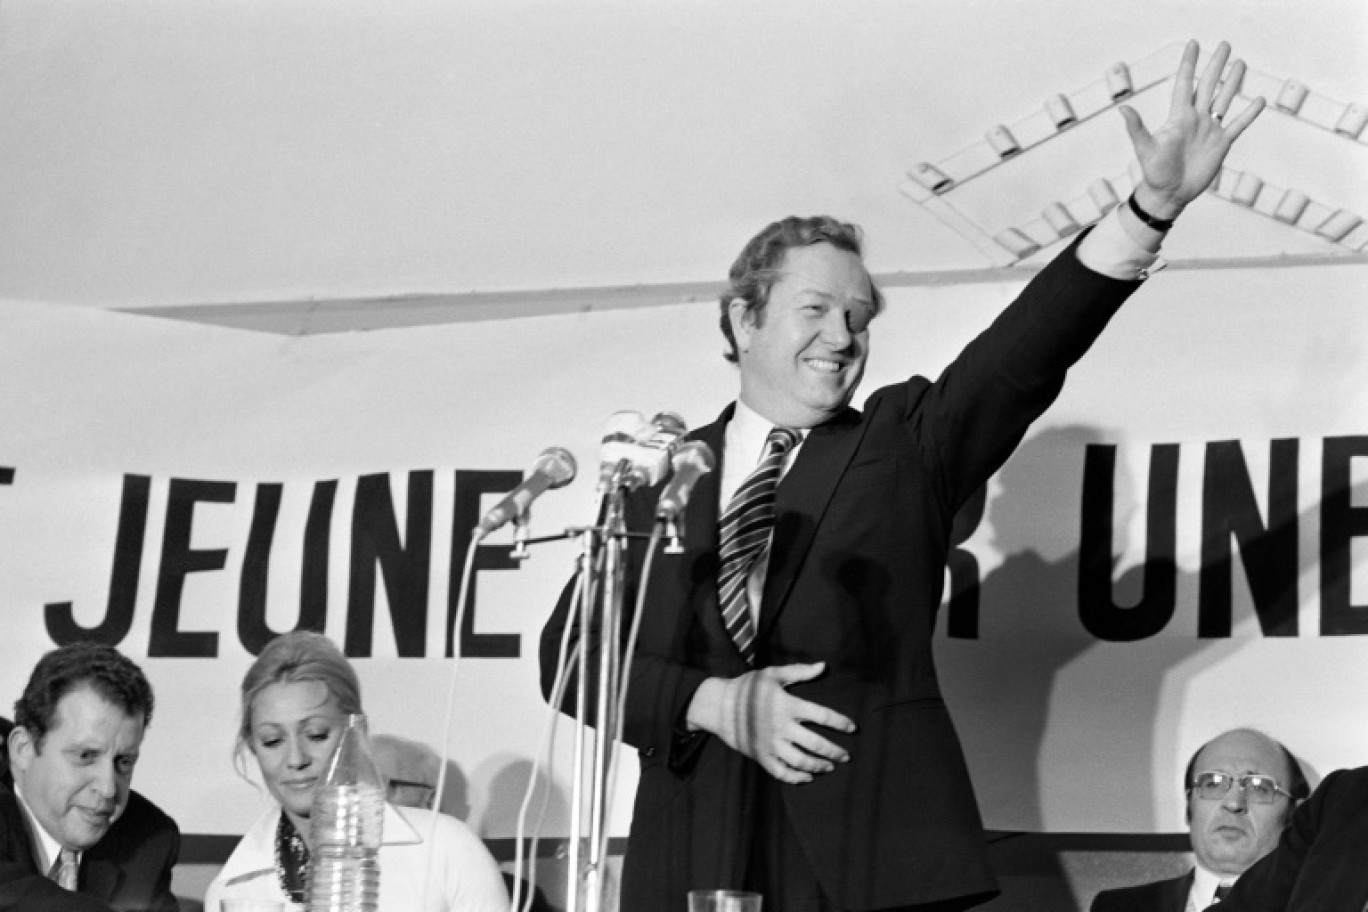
1179 546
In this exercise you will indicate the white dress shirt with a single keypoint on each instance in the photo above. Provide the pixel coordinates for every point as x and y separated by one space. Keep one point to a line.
1204 884
46 849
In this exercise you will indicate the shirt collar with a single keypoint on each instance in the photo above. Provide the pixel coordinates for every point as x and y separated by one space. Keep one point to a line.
746 434
47 848
742 445
1204 884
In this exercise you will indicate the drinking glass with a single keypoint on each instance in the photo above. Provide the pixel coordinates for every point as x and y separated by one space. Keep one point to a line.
723 901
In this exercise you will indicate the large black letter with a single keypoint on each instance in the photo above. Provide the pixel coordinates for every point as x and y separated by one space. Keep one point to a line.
1341 521
405 569
253 631
178 560
313 583
123 579
466 516
1099 614
1269 554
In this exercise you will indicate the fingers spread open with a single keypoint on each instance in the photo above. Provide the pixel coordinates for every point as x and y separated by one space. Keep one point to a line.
1211 76
1246 117
1139 133
822 751
1229 87
795 758
785 773
1182 81
793 674
817 714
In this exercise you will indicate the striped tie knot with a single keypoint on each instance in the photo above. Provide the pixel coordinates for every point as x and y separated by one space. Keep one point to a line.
744 531
64 870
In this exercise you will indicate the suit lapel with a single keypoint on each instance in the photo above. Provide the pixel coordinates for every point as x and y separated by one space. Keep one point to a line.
1179 890
99 878
700 524
801 502
1352 847
16 832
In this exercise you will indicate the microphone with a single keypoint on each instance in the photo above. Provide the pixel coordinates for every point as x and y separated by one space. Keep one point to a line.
663 432
554 468
636 452
691 462
655 444
619 442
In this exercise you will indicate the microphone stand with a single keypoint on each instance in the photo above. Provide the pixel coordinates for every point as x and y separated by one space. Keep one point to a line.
586 877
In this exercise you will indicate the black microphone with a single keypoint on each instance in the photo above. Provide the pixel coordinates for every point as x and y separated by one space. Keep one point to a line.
554 468
691 462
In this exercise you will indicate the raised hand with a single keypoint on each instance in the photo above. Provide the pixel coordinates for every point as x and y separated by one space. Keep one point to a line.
1181 159
755 715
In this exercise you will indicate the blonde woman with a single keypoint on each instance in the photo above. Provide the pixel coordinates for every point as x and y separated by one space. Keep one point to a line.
295 701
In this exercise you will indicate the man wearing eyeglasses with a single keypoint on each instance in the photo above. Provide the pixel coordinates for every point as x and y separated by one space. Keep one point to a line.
1241 787
1321 862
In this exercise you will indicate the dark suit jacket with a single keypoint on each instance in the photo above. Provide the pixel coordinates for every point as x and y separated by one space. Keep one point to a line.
1160 896
129 870
6 726
1321 862
862 531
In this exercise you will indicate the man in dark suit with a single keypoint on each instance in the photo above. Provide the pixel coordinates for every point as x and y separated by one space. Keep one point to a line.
1241 788
800 746
1318 865
74 837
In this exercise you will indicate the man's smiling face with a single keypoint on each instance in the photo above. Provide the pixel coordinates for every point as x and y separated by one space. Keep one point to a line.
803 354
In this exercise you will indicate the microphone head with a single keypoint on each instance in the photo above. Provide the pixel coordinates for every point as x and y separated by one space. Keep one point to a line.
636 452
557 464
692 461
624 426
663 432
695 453
667 424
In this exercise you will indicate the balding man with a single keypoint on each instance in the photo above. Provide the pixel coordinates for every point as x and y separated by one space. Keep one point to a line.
1241 787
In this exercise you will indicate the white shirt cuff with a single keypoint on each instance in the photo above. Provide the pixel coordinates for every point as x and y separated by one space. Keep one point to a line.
1114 249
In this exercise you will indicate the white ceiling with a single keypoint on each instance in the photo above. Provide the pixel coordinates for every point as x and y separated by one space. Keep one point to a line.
188 156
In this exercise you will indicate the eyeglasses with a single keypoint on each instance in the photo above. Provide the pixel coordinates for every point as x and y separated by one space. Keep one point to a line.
1258 789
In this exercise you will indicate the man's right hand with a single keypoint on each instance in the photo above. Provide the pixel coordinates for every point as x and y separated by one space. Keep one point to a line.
757 716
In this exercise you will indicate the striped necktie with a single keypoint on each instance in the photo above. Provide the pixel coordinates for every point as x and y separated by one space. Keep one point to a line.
64 870
745 532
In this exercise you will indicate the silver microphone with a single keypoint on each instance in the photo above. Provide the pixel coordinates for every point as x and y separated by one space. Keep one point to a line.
554 468
692 460
617 451
655 444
